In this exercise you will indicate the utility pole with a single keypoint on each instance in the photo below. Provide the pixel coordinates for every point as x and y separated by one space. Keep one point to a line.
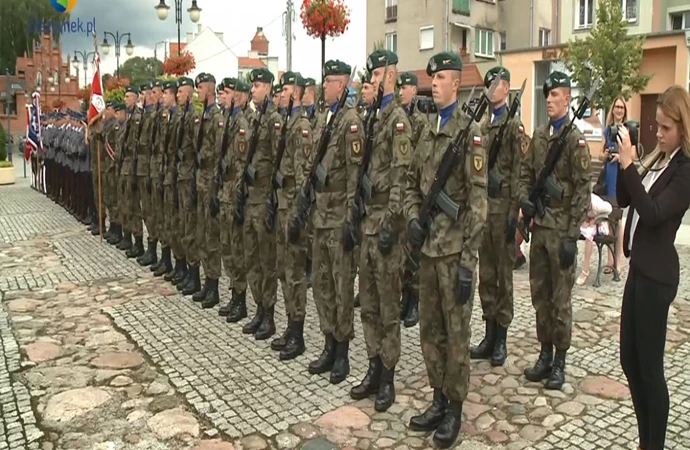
289 16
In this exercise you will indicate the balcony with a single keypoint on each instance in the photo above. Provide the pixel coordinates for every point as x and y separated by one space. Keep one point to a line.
461 7
391 13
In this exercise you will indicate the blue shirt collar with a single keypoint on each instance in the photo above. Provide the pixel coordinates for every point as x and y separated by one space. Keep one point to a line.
173 109
148 107
208 108
498 112
296 110
309 108
236 110
333 107
386 100
446 113
558 123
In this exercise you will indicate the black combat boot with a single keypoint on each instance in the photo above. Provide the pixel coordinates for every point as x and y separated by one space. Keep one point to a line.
325 362
165 263
151 255
371 381
295 343
542 368
91 220
386 395
557 377
156 265
194 283
180 272
96 229
430 419
267 327
238 307
137 249
223 311
107 231
486 346
126 242
278 343
253 325
447 431
341 366
199 296
500 353
115 234
412 317
212 295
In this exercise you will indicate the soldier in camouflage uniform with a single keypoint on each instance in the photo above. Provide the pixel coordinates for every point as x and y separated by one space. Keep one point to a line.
310 112
95 141
407 82
497 253
259 245
449 253
187 157
553 248
208 228
275 97
333 277
381 234
232 233
292 258
106 162
112 138
368 96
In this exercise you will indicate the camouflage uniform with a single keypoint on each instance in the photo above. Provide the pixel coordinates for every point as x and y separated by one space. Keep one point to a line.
127 191
550 283
144 154
156 202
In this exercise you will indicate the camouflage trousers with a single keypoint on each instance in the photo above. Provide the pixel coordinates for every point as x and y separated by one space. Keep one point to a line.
333 284
551 288
109 194
496 261
379 295
407 277
132 208
172 226
444 326
232 244
188 223
260 256
157 209
292 267
207 233
145 198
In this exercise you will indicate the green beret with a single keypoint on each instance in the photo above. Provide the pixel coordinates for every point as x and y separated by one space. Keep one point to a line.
493 72
277 89
204 77
241 86
291 78
263 75
109 104
169 84
229 83
185 81
379 58
220 86
309 82
119 106
132 89
157 83
407 79
366 78
146 86
556 80
336 67
443 61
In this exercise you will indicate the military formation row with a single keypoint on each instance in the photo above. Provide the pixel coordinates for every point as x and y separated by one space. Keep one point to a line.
260 187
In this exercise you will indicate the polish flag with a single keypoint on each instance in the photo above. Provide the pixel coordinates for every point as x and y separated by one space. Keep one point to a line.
97 102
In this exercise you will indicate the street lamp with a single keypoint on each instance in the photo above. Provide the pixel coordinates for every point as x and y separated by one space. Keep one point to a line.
85 59
194 15
117 37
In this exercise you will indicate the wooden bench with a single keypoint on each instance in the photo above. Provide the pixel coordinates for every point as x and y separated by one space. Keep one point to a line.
608 241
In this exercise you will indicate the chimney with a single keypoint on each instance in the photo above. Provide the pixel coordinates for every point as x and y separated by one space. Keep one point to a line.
259 43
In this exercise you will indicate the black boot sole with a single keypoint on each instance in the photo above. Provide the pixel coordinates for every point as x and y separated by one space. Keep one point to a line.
284 356
536 378
237 318
321 369
426 428
371 391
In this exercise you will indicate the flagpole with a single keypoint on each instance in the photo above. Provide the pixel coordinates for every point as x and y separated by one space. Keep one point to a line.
100 207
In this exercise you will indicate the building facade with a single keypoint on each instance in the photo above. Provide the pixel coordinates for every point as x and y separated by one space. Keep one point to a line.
258 57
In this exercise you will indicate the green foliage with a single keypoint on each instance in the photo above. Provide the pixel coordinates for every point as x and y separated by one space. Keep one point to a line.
116 95
3 144
198 104
140 70
4 164
615 57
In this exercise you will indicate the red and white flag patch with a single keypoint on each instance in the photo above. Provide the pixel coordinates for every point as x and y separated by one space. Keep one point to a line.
196 121
521 129
241 131
477 140
276 126
353 128
305 133
400 126
581 142
220 124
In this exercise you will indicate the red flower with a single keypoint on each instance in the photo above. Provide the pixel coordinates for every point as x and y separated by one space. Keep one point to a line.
324 18
115 83
179 65
84 93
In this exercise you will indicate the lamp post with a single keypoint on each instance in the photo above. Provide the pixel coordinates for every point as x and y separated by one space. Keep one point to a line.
194 15
85 59
8 106
155 55
117 37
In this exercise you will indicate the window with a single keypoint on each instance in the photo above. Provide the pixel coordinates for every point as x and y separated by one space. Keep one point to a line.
426 38
585 13
461 7
391 10
484 43
392 42
504 45
629 10
544 37
680 21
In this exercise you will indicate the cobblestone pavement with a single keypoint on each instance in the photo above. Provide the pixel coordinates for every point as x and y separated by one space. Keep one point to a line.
115 358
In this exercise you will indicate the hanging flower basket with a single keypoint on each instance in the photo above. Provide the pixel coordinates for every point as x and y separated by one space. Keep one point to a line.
115 83
179 65
324 18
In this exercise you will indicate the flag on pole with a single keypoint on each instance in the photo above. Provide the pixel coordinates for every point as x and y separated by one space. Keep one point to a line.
33 126
97 102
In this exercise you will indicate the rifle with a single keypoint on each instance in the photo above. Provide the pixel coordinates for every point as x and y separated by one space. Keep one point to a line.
194 196
178 156
495 183
277 175
466 108
318 176
121 159
164 163
364 187
154 132
546 186
222 163
436 199
413 105
249 172
135 159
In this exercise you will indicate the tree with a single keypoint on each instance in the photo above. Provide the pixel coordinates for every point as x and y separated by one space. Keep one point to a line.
615 57
140 70
324 18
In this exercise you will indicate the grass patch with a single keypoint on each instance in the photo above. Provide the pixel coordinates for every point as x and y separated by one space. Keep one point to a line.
4 164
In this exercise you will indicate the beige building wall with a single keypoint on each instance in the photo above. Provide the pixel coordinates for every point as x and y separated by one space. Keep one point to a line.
515 20
570 13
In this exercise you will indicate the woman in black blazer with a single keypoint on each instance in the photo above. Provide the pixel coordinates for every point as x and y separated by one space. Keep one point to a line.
658 195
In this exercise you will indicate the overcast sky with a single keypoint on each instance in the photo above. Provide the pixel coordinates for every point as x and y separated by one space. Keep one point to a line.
237 19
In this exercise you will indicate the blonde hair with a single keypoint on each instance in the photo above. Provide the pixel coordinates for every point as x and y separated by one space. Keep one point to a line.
610 117
675 104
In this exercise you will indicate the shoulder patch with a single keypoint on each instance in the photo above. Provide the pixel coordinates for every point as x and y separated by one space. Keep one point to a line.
276 125
353 128
165 115
521 129
400 126
196 121
478 163
241 132
525 145
305 133
584 162
220 124
477 140
241 147
356 147
581 142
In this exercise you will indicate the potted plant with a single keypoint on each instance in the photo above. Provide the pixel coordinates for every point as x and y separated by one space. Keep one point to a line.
324 18
6 168
179 65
